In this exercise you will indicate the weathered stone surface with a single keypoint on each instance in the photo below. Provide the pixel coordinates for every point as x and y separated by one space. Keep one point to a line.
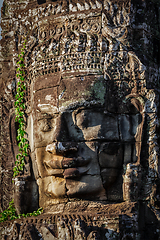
96 124
111 155
114 189
128 125
46 98
52 186
82 89
92 97
25 190
89 187
51 80
77 226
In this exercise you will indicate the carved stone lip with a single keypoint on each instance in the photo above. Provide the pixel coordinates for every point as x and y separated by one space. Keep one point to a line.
55 172
75 172
66 162
67 167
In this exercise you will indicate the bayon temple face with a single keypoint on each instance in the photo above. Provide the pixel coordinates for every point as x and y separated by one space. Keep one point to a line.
79 146
87 102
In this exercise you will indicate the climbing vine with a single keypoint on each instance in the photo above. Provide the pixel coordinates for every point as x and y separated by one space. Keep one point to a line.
10 213
19 112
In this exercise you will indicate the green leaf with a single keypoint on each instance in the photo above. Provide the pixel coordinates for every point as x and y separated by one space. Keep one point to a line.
23 158
17 95
35 214
25 150
21 150
24 140
23 106
26 146
14 174
20 144
23 162
16 103
19 155
18 137
21 65
21 168
16 112
20 120
20 99
22 125
22 94
18 131
16 119
15 169
23 87
18 89
21 114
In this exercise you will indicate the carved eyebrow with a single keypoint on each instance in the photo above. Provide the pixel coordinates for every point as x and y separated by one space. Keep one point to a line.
43 116
46 115
96 109
84 105
47 108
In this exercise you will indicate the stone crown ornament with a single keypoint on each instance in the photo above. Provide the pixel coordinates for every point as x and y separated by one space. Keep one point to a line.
76 43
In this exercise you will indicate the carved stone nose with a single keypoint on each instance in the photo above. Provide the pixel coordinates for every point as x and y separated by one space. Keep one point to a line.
61 147
52 148
61 133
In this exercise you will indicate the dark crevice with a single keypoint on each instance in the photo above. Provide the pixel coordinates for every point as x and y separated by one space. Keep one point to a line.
41 1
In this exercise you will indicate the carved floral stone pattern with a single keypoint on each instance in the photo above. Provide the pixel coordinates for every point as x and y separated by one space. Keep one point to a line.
92 118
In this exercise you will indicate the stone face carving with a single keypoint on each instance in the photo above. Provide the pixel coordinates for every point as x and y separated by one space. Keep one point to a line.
83 125
85 96
79 149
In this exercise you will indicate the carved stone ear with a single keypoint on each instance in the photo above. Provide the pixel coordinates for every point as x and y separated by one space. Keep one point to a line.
138 101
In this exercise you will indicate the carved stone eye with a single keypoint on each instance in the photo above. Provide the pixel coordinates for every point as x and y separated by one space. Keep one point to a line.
45 125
